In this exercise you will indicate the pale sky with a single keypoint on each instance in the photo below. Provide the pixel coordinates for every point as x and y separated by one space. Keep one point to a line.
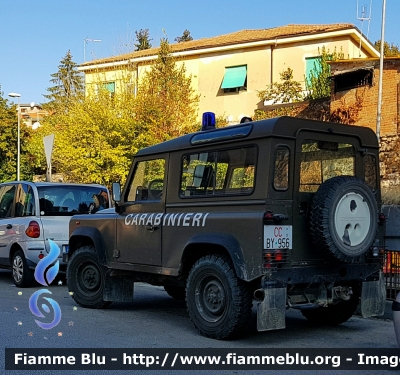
36 34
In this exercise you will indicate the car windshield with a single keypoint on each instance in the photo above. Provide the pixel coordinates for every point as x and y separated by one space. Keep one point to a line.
71 200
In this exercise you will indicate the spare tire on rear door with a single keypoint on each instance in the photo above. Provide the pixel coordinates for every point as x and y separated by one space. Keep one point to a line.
344 218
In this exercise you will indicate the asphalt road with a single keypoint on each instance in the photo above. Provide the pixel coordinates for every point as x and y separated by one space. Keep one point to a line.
155 320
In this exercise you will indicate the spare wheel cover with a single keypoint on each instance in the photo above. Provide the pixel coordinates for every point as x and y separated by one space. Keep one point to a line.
344 217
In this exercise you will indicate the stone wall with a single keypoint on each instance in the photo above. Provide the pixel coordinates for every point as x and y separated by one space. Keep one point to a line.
390 161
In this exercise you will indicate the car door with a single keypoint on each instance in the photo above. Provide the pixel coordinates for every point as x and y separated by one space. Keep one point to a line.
139 223
7 231
317 160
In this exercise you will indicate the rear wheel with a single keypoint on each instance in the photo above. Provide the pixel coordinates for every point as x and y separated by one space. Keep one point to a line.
21 274
86 279
219 304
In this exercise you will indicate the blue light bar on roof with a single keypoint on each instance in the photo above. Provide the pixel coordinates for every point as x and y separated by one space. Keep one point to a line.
208 122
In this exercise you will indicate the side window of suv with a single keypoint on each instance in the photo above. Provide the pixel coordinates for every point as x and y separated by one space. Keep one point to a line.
148 181
281 170
7 193
224 172
370 171
25 201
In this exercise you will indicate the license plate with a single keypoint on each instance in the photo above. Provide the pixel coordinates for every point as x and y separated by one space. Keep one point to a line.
65 249
277 237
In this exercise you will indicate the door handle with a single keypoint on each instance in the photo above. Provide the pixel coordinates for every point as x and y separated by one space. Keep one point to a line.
151 228
8 226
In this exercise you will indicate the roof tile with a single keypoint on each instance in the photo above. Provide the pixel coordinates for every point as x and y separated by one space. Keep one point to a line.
242 36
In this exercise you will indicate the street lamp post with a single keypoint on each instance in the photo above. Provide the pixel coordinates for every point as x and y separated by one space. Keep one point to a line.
84 46
15 95
381 58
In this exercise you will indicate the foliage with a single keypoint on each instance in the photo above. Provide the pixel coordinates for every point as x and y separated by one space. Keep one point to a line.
166 104
68 84
9 143
276 112
389 50
143 40
318 84
95 140
348 113
186 37
286 92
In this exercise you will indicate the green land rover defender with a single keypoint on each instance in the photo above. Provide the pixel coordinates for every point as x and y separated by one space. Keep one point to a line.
279 213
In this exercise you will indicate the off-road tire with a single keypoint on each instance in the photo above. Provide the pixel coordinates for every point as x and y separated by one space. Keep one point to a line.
344 218
86 278
219 304
332 315
22 275
176 292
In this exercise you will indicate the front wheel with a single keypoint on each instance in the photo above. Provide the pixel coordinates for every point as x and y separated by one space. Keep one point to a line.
219 304
86 279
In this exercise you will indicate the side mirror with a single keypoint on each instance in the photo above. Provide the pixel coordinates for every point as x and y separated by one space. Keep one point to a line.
116 192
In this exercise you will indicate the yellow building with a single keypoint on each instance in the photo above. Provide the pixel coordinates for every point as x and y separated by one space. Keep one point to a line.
228 70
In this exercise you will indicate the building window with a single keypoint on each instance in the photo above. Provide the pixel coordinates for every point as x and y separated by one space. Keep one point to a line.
235 78
110 86
351 80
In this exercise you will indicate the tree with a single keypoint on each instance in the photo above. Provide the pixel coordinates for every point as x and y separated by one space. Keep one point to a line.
94 141
143 40
389 50
318 84
286 92
9 141
186 37
166 105
68 83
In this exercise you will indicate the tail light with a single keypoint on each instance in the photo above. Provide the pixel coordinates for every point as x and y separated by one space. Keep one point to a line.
33 230
381 218
274 258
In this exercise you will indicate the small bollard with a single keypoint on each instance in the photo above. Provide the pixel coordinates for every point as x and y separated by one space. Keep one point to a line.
396 317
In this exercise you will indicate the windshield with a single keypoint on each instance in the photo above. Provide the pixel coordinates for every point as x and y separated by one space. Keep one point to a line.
71 200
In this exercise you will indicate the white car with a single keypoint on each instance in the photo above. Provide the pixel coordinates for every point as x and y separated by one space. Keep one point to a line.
32 213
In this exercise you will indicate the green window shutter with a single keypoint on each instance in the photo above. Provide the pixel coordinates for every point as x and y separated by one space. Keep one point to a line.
234 77
311 63
110 86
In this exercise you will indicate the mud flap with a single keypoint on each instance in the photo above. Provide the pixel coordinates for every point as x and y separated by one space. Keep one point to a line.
271 310
373 297
118 288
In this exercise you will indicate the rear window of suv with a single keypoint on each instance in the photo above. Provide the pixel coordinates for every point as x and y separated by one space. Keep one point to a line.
71 200
321 161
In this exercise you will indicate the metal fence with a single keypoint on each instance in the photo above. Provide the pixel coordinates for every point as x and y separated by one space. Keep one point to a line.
391 270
